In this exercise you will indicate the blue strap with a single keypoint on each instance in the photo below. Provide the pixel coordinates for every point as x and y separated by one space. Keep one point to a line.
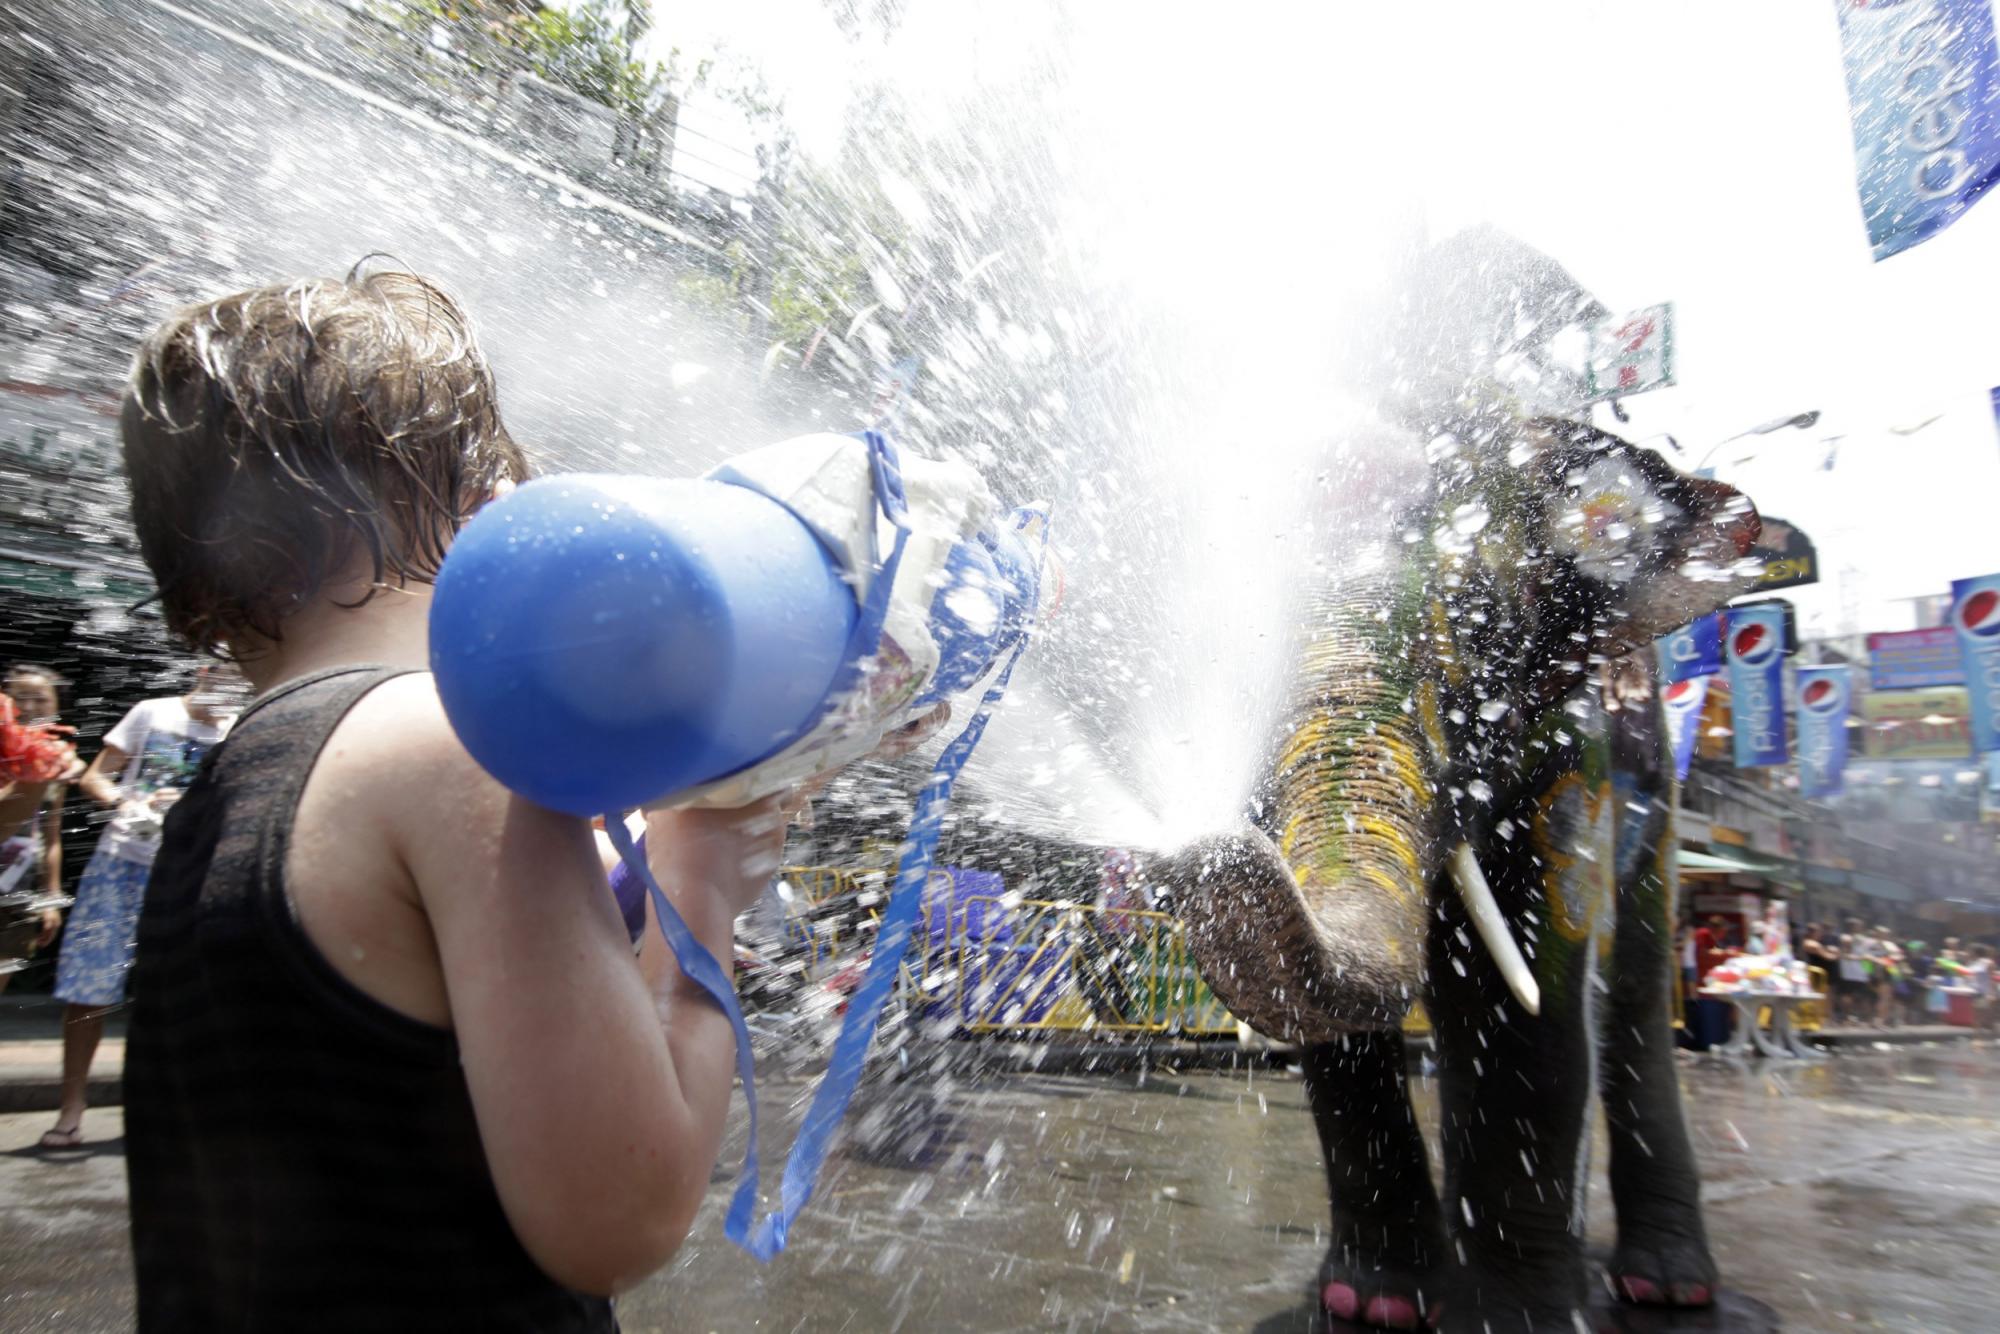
701 968
866 637
864 1009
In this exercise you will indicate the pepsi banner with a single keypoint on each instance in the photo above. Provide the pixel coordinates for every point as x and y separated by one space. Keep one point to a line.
1925 100
1824 695
1755 655
1681 702
1975 615
1691 651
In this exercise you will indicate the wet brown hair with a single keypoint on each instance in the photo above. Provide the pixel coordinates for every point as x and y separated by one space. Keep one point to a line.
272 435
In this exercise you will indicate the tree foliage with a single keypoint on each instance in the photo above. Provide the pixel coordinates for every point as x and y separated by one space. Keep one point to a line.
589 48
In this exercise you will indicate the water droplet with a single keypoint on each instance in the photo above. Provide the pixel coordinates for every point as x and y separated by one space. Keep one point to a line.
1471 518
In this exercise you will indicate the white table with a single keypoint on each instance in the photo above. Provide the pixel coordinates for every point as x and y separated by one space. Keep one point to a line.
1782 1043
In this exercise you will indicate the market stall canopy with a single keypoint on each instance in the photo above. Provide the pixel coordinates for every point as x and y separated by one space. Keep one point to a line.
1787 874
1702 863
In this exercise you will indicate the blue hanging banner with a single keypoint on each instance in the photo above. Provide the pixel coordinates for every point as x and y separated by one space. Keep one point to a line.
1975 615
1693 650
1824 700
1923 84
1755 655
1682 703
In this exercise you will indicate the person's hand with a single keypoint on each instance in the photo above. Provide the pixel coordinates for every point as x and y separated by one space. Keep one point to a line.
893 745
736 851
139 817
51 923
730 852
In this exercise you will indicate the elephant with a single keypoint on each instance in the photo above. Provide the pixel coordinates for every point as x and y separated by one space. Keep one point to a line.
1468 807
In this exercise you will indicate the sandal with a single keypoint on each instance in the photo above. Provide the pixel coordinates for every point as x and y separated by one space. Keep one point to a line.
62 1139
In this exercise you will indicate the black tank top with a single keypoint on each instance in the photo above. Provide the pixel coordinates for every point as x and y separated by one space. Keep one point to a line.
302 1157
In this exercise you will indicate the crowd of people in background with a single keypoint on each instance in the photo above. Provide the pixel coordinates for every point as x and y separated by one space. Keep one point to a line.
1871 978
1882 982
141 768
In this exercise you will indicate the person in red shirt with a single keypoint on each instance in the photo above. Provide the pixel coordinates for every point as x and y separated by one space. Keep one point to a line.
1710 948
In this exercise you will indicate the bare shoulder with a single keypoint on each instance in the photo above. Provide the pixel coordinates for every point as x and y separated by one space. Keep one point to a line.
391 793
406 855
418 785
446 819
403 717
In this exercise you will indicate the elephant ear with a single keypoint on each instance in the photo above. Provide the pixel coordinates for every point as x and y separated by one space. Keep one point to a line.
1634 548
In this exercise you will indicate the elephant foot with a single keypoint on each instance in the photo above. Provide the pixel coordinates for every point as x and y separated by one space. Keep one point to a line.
1380 1298
1666 1273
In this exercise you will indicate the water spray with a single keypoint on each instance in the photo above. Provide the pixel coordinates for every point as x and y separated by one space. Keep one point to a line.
603 643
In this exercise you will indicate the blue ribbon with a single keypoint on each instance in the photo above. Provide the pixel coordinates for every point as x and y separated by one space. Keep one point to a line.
767 1237
701 968
764 1238
866 637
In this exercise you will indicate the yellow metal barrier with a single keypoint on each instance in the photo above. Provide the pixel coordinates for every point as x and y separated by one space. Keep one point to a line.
814 886
1039 965
817 884
1810 1016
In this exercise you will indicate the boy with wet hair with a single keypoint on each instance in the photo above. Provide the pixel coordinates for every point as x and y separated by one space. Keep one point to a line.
392 1063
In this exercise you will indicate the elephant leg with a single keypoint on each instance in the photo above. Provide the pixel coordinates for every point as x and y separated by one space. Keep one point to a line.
1381 1266
1662 1254
1515 1090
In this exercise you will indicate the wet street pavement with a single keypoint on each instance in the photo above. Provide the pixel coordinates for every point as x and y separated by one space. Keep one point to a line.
1858 1193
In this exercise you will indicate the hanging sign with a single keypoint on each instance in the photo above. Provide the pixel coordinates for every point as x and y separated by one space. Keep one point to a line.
1975 616
1693 650
1681 702
1912 659
1755 652
1923 84
1789 557
1630 354
1823 702
1929 724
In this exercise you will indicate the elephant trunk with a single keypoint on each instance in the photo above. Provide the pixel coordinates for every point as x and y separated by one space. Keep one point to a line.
1323 932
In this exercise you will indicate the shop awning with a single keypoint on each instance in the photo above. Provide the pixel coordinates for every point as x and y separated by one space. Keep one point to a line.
1703 863
1786 873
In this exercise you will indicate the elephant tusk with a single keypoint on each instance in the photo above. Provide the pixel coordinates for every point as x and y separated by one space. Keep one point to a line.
1478 896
